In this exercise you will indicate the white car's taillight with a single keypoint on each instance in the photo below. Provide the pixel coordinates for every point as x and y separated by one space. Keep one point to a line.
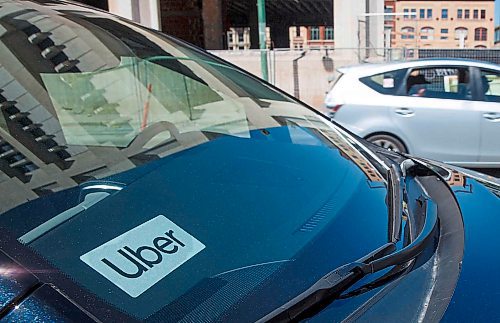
333 109
336 108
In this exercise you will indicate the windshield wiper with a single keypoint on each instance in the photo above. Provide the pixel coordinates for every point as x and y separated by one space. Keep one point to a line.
395 193
333 284
92 193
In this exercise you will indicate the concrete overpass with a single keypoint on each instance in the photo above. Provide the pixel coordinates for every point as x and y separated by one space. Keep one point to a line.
205 22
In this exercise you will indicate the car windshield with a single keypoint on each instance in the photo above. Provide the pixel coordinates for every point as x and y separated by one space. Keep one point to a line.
123 150
114 107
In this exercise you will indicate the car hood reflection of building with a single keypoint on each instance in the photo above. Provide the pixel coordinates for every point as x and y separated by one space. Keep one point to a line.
37 40
47 41
348 147
65 39
356 157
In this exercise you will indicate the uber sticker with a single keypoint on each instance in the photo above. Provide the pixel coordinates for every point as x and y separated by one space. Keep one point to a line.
139 258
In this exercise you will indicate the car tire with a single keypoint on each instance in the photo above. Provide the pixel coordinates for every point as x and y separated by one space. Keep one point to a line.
388 142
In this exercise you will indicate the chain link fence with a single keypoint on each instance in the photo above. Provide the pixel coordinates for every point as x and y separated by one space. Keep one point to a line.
308 74
487 55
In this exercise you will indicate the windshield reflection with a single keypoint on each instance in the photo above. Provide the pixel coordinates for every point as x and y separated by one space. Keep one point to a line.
85 97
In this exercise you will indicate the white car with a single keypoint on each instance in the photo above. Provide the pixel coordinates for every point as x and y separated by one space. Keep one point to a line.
442 109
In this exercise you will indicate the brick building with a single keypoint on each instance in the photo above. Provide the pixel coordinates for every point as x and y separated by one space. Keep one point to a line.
311 37
443 24
389 23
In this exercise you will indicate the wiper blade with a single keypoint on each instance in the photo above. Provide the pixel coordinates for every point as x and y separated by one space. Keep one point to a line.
395 193
325 289
333 284
92 193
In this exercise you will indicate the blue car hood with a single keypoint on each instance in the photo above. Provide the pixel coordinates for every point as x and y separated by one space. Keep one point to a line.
475 297
265 208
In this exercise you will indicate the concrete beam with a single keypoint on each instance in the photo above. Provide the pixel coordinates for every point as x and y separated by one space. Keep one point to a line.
145 12
122 8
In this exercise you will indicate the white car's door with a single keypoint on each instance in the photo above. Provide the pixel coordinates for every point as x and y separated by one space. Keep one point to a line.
437 114
489 107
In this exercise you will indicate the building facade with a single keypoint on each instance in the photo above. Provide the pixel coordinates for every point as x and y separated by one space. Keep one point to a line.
311 37
444 24
239 38
389 23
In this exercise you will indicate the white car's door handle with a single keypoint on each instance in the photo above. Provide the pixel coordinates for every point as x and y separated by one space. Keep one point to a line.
404 111
492 116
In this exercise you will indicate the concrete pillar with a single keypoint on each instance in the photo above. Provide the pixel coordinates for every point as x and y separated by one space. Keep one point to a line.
149 11
212 24
122 8
145 12
376 23
346 16
353 29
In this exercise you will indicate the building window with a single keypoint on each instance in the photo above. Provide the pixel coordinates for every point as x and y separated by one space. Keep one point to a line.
467 14
444 13
429 13
297 31
314 33
459 13
329 33
475 14
413 14
483 14
444 37
407 33
385 83
480 34
444 31
388 9
427 33
422 13
461 32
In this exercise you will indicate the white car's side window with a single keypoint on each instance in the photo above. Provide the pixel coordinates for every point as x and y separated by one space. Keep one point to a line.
387 82
439 83
490 84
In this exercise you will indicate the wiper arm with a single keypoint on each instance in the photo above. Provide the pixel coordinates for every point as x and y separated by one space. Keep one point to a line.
395 193
333 284
93 193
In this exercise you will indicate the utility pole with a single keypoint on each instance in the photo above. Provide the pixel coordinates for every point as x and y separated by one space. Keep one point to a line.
261 12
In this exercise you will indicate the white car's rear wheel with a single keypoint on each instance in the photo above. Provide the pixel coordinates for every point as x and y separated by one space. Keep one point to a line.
388 142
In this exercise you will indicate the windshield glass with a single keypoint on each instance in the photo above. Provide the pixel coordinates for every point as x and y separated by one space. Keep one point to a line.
112 107
163 181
